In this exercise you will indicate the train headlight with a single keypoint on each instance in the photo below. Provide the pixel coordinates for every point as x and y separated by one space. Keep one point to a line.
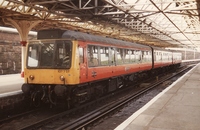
31 77
62 78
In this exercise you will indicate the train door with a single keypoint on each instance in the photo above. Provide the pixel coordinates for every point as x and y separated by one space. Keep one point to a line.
93 62
83 62
112 56
112 84
112 60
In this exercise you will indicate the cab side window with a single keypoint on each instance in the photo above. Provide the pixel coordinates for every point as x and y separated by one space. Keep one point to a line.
33 52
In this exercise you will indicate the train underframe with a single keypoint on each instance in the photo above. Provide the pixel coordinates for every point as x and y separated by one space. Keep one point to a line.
77 94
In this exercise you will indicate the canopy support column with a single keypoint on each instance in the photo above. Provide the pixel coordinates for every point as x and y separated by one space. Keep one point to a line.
23 27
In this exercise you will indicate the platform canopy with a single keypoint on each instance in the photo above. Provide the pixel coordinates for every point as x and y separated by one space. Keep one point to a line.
163 23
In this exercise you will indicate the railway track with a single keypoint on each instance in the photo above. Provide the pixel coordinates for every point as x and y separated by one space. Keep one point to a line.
95 115
88 113
10 118
20 120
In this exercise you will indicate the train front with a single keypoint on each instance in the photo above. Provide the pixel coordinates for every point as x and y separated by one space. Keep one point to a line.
51 69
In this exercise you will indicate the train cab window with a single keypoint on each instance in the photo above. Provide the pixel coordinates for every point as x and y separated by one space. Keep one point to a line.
33 56
104 56
47 51
80 49
63 54
119 55
49 54
93 59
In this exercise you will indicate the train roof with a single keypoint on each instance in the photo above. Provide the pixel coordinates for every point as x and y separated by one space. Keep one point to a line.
68 34
161 49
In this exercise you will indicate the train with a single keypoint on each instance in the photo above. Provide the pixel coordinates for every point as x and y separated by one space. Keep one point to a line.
74 67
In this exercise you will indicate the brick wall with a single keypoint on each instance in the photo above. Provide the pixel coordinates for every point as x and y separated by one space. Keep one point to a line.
10 53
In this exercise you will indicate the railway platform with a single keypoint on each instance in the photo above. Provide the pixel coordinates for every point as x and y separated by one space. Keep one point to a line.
176 108
10 83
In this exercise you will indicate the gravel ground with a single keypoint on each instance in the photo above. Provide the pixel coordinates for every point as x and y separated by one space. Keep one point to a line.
110 123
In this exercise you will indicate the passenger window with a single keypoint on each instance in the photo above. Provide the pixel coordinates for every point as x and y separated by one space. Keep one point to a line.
138 56
104 55
119 53
150 56
147 56
127 56
158 56
161 56
132 56
143 56
93 59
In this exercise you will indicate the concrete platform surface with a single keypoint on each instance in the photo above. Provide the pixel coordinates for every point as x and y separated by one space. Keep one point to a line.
10 83
176 108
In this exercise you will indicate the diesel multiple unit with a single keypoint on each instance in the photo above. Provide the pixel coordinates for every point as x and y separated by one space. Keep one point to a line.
76 66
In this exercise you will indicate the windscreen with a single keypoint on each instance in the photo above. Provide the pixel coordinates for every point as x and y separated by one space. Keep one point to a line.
49 54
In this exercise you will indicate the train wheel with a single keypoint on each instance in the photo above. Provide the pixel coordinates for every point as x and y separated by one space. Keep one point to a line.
36 98
52 97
